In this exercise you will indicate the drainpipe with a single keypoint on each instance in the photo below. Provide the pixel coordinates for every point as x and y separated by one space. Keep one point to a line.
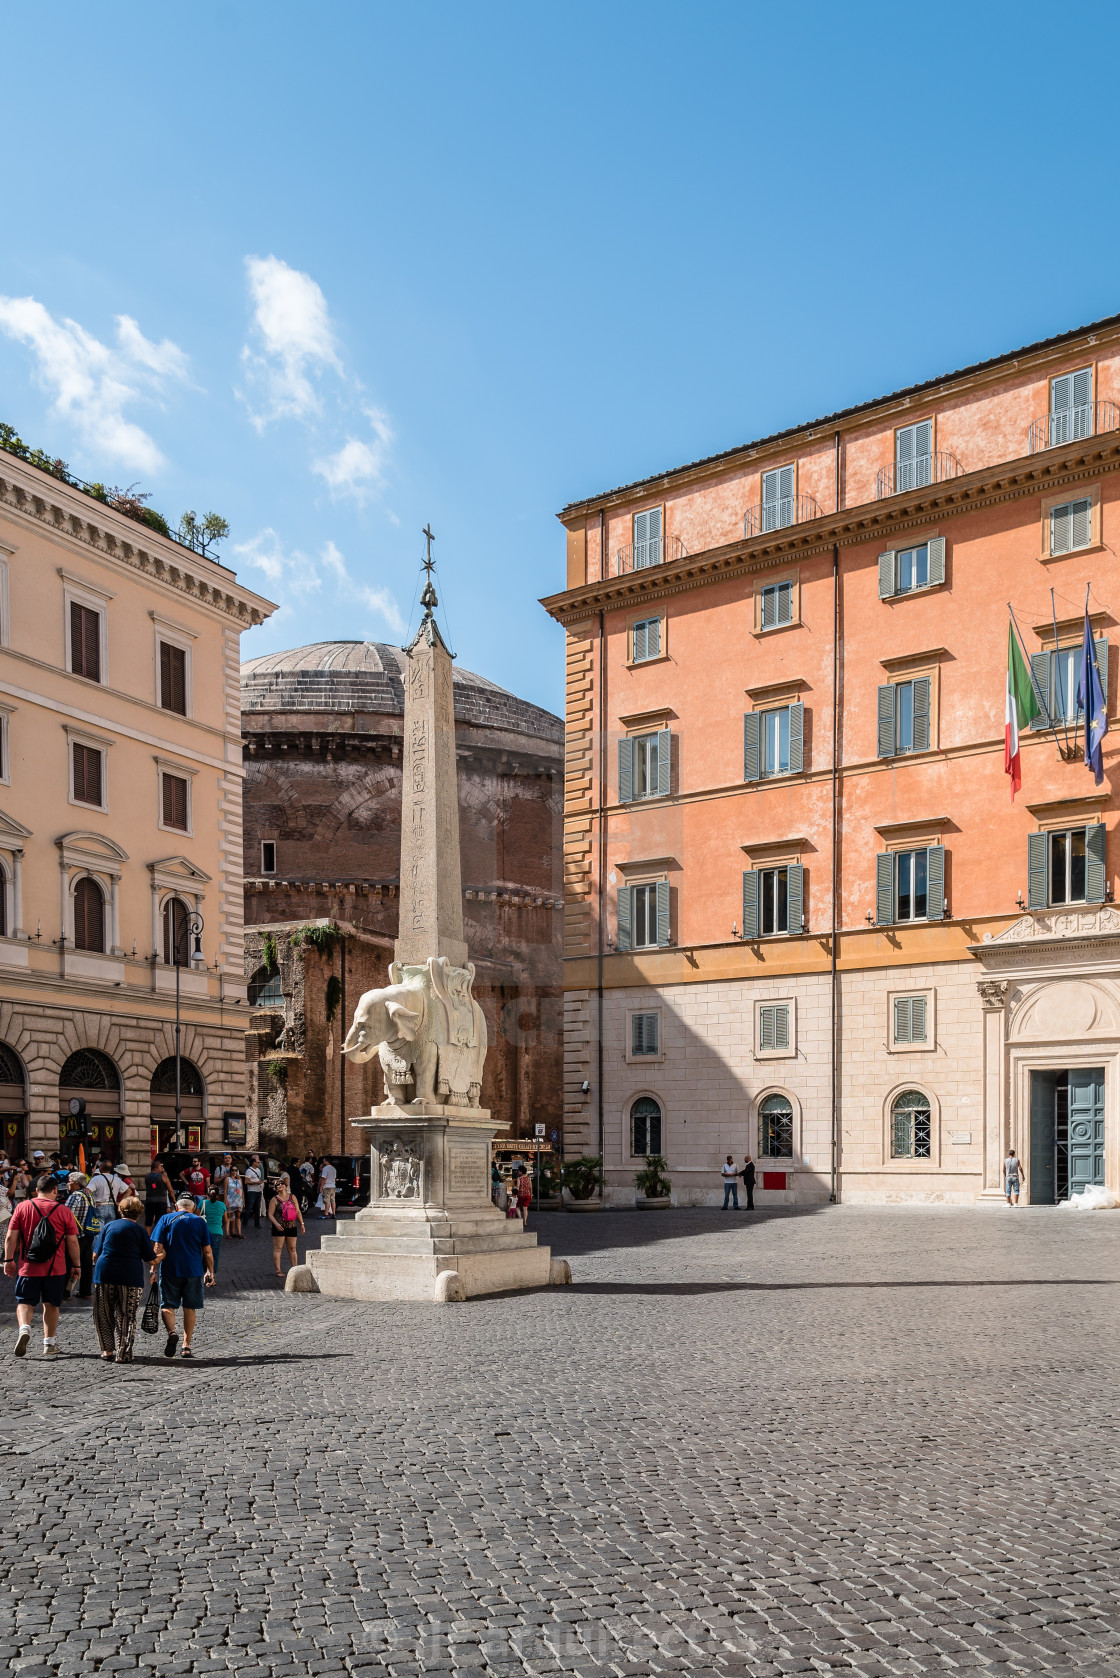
602 827
833 976
342 1057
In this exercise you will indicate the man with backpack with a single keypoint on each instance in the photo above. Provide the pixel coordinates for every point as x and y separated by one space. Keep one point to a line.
41 1250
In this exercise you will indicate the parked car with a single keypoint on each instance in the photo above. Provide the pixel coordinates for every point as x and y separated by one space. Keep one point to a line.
352 1187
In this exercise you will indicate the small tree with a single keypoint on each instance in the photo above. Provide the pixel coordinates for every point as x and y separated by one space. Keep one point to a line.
651 1181
582 1177
202 534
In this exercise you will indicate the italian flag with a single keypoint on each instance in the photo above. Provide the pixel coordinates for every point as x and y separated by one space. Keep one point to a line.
1022 708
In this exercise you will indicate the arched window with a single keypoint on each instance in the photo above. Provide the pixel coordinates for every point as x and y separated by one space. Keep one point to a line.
13 1103
163 1078
264 990
89 1069
775 1127
645 1126
176 933
910 1126
89 915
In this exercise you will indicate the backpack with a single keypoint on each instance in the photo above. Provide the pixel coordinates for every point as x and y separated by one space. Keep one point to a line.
43 1246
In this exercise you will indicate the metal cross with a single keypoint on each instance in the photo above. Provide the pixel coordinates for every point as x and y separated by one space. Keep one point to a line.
429 562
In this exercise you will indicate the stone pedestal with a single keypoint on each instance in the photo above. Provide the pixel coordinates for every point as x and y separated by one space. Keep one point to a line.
430 1212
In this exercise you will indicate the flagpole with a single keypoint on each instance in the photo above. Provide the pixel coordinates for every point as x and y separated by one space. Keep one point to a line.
1043 705
1065 728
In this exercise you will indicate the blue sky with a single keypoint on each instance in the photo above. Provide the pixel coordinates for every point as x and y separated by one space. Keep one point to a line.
336 271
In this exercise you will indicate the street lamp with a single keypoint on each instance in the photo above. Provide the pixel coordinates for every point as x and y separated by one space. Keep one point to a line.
190 926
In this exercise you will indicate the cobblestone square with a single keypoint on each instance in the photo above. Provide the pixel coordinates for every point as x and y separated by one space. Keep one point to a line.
862 1440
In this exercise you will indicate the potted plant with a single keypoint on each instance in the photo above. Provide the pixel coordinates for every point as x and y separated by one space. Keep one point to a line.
653 1186
583 1179
550 1196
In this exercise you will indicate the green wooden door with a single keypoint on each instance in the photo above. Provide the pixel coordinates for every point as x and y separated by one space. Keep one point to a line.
1040 1167
1086 1128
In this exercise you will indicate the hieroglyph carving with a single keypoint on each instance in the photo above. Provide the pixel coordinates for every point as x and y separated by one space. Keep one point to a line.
400 1169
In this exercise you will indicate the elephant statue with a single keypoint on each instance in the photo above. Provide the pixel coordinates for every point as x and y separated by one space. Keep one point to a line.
427 1031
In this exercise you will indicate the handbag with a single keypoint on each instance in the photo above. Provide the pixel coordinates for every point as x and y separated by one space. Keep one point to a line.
149 1322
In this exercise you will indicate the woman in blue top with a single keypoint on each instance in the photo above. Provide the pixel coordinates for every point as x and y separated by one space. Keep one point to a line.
217 1222
122 1248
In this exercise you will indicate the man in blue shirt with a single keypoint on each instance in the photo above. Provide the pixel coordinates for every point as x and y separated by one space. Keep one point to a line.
186 1267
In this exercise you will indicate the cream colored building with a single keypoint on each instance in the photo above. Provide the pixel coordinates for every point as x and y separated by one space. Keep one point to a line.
120 816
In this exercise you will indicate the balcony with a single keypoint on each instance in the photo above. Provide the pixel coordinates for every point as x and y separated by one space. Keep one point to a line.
777 515
923 470
1068 425
659 550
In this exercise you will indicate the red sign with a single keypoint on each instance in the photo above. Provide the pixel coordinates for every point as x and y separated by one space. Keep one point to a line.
773 1179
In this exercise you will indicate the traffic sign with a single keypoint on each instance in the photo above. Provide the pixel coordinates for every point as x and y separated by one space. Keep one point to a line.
538 1130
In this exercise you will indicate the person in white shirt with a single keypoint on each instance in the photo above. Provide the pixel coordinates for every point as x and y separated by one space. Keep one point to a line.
105 1189
254 1188
328 1179
730 1174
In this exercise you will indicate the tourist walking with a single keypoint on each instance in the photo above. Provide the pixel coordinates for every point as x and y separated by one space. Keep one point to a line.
118 1280
748 1176
79 1202
105 1189
186 1270
285 1219
730 1175
254 1188
328 1187
1012 1174
235 1201
217 1221
158 1194
40 1251
221 1173
196 1178
524 1195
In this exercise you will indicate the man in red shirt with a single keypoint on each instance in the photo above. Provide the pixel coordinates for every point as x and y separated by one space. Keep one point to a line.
196 1178
41 1280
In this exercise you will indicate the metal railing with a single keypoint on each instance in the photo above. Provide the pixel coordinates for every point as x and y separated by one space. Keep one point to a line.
659 550
1068 425
924 469
776 515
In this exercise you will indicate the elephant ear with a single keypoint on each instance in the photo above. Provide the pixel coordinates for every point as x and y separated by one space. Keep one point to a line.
405 1020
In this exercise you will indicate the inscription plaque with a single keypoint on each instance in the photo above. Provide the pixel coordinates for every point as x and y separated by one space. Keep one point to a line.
466 1168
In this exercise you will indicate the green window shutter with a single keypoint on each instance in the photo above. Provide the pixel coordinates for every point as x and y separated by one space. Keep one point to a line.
902 1019
1036 870
625 771
918 1019
886 720
1040 675
638 650
653 637
781 1025
769 606
1100 647
751 767
766 1023
1082 392
1094 863
796 738
785 602
936 559
1060 523
795 898
662 912
921 713
935 883
884 888
655 536
664 762
750 903
624 917
886 574
1081 521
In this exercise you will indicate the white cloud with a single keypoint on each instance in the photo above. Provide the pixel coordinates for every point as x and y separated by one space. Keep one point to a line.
358 467
91 383
295 574
295 337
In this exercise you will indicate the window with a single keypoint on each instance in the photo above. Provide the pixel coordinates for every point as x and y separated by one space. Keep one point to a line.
773 1025
1071 525
1057 677
645 1126
644 1036
775 1128
773 742
88 778
910 1126
773 900
1067 866
644 762
776 605
643 916
175 802
910 885
264 990
647 538
89 915
906 570
904 709
176 933
1071 407
646 641
268 856
172 678
778 499
910 1019
85 641
913 456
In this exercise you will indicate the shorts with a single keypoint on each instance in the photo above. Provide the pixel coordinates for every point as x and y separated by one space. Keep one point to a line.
40 1290
186 1292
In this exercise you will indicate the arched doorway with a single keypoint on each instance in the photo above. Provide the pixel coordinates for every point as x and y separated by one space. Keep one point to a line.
192 1125
13 1104
90 1121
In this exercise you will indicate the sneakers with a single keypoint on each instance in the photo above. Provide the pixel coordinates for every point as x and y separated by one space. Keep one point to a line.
50 1350
23 1339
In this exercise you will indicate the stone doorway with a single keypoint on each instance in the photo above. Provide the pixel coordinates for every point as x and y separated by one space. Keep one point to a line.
1067 1133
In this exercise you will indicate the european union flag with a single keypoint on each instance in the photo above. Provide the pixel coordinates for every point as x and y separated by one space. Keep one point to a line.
1093 704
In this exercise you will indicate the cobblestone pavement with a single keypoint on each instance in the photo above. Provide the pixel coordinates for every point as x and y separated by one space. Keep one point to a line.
868 1440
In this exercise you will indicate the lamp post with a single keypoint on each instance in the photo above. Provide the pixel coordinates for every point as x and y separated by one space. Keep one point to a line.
189 927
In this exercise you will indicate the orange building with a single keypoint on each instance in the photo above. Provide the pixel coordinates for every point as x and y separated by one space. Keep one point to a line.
804 918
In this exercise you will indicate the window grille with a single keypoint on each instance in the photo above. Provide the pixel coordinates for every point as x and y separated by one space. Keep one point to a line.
89 1069
163 1078
776 1128
910 1126
645 1126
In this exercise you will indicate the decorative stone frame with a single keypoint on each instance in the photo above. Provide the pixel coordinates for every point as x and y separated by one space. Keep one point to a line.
93 855
80 591
930 1044
182 772
908 1162
6 551
97 743
764 581
628 1055
644 617
176 635
906 668
1081 492
791 1160
629 1159
12 836
174 876
789 1053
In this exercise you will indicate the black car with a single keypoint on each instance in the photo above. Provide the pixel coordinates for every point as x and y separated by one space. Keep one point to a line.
352 1186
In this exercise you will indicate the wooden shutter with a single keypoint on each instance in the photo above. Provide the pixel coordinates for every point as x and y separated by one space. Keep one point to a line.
766 1023
904 445
1037 854
641 540
785 483
89 916
653 637
625 771
1060 528
175 802
886 574
917 1019
1094 863
886 720
664 762
654 536
85 642
1100 648
902 1019
624 900
781 1025
1082 388
795 897
784 596
936 547
663 928
750 903
769 606
1081 523
172 678
796 738
751 734
1041 665
884 888
920 685
771 490
638 649
935 883
87 774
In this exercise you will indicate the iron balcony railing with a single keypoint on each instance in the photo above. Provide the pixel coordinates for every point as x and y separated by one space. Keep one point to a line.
776 515
924 469
659 550
1067 425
